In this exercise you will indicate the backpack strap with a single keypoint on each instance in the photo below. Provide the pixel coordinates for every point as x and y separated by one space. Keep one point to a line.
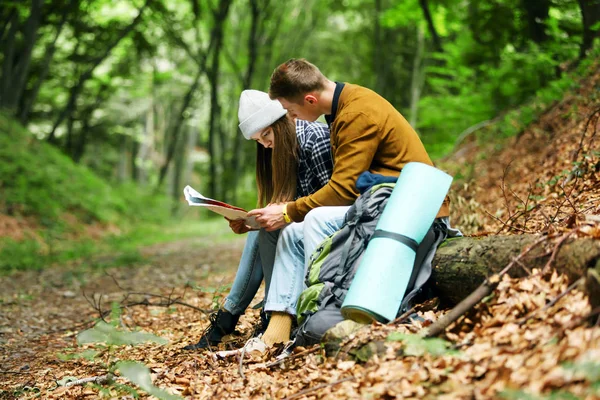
405 240
348 244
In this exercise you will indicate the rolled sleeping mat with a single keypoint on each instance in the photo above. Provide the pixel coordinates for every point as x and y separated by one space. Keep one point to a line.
383 274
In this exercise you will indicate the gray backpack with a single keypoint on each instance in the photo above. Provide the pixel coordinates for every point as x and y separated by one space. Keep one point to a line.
333 265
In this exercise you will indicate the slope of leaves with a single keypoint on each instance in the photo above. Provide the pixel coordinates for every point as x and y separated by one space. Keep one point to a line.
545 178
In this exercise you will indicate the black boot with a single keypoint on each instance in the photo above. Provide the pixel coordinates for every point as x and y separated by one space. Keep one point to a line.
261 327
221 323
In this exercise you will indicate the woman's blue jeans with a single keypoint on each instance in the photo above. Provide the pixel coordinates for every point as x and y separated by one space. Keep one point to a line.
250 274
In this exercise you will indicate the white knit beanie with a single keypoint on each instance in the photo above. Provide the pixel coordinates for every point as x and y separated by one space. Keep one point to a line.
257 111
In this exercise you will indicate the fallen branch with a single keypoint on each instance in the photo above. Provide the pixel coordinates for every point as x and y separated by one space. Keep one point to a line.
461 265
482 291
99 380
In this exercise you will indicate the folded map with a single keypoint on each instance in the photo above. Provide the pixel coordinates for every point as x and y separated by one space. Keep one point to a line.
227 210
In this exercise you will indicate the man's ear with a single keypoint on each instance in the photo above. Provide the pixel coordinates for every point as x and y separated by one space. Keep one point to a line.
311 99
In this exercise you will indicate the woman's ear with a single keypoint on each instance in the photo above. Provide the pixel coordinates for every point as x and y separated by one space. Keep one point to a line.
311 99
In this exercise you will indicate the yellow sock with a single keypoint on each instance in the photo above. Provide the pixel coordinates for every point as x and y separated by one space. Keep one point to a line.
279 329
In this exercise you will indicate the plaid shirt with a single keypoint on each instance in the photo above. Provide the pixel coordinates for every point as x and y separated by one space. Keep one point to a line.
314 157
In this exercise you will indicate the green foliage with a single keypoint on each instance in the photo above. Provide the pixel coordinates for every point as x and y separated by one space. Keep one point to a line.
109 334
590 370
416 345
511 394
20 255
88 354
218 293
140 375
37 180
106 336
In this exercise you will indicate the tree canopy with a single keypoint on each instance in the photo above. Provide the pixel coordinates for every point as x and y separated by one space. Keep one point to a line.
147 90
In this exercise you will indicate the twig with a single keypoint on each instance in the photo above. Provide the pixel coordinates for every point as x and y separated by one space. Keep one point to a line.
568 196
576 156
95 379
524 267
403 317
482 291
241 365
503 186
506 224
170 299
312 389
293 356
555 251
14 373
551 303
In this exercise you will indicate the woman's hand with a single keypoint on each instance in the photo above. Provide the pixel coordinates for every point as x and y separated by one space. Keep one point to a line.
238 226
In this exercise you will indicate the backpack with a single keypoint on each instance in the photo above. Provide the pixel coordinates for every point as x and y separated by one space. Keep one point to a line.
333 264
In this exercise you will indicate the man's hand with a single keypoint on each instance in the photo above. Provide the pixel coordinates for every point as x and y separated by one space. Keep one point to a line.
269 217
238 226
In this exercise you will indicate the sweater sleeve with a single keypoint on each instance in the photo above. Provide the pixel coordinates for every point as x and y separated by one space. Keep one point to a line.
355 139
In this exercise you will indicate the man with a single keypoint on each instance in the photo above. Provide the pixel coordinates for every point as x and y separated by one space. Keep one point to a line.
367 134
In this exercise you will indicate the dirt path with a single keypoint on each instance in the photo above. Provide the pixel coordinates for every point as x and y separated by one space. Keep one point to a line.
42 311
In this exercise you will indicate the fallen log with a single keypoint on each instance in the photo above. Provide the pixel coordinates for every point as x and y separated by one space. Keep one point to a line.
462 264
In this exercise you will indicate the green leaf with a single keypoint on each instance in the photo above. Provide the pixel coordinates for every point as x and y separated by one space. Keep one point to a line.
88 354
140 375
415 345
590 370
105 333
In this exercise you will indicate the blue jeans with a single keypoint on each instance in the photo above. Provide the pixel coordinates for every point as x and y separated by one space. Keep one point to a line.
249 275
296 243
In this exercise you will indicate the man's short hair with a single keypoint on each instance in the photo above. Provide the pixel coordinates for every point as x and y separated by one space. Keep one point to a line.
295 78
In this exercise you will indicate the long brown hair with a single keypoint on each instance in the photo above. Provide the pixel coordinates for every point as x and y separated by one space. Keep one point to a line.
276 168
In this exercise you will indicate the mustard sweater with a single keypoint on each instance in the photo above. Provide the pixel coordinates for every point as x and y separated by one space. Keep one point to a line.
368 134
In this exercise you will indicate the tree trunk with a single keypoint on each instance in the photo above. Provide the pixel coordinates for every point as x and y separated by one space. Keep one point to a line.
214 125
174 137
83 78
21 69
6 16
462 264
178 170
537 12
590 15
437 42
8 50
29 99
378 62
252 46
418 78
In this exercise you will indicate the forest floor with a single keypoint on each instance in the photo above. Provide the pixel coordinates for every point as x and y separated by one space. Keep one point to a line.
536 337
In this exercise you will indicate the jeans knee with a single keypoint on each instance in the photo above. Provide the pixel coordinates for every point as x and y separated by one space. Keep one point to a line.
315 218
292 233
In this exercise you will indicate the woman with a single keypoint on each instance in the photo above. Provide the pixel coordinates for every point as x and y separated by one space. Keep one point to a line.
293 159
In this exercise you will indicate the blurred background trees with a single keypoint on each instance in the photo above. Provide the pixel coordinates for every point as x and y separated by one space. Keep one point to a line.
146 91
